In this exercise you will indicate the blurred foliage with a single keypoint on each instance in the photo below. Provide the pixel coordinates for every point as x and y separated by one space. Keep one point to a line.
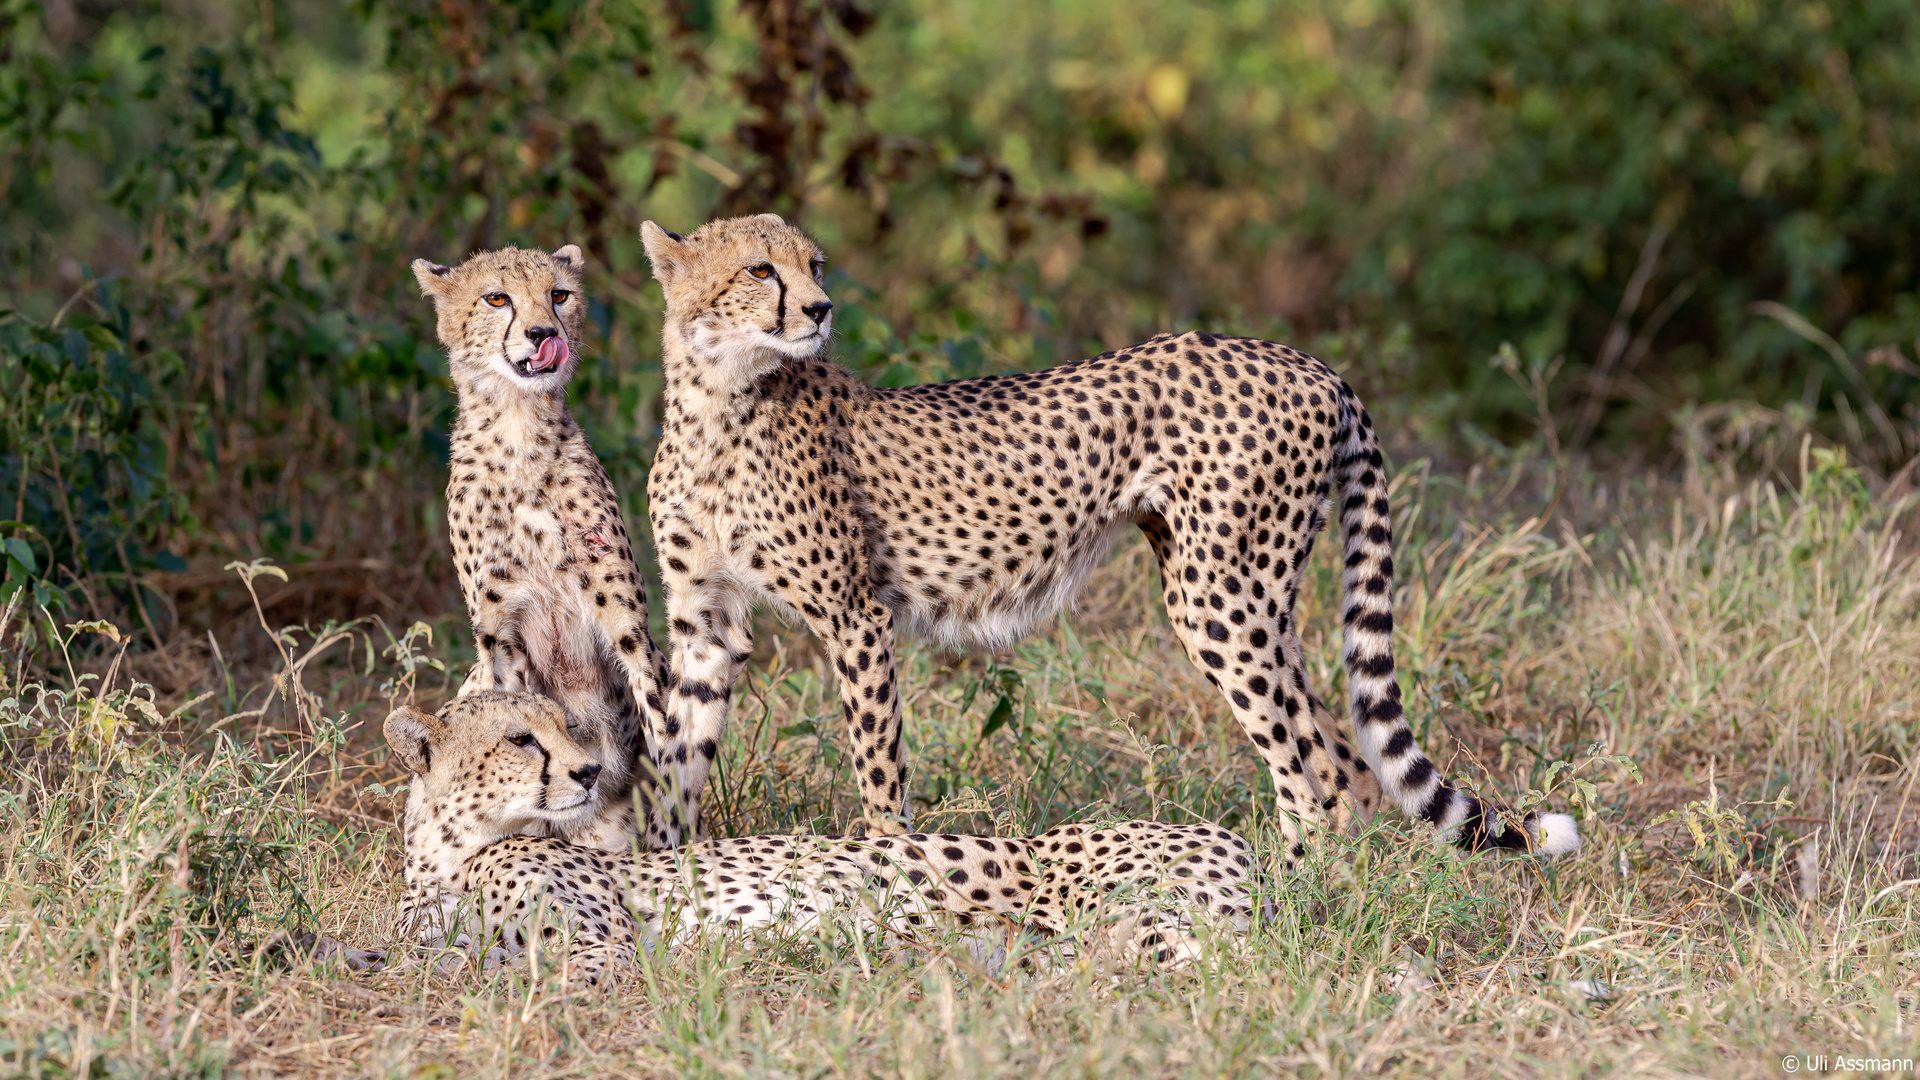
85 468
1617 181
1665 204
1646 171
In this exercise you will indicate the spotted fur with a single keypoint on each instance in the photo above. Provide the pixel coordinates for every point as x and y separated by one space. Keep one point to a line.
556 601
492 764
972 509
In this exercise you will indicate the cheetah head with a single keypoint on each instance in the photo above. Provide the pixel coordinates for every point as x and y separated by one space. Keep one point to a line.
743 295
487 765
511 317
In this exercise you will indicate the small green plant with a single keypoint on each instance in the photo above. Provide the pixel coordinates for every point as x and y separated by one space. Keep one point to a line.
1722 835
1002 683
1576 783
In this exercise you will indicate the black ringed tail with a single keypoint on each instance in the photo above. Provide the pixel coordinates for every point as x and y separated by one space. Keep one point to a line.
1380 724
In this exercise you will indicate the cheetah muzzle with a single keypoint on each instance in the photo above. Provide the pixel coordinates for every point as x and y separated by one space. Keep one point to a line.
544 360
974 509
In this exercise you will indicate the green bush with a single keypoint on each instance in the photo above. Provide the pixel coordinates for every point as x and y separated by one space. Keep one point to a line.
1659 167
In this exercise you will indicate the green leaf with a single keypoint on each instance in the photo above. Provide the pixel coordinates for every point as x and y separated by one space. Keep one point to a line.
997 719
102 337
20 551
97 626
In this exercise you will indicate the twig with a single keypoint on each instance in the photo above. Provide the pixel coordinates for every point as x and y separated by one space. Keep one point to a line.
704 162
72 300
73 531
139 605
1618 336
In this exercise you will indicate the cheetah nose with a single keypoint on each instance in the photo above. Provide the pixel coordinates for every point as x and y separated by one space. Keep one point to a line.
586 775
538 334
817 311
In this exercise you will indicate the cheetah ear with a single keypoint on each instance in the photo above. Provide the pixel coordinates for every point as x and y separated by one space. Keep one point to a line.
435 280
770 219
412 733
571 258
667 251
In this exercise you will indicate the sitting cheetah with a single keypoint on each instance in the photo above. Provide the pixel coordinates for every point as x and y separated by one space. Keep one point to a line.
492 764
556 601
973 509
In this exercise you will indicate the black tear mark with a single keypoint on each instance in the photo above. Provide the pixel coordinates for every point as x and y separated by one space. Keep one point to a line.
504 355
780 319
546 760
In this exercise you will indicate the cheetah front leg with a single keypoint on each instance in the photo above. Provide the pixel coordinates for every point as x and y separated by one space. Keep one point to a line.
497 665
606 572
619 610
711 640
860 644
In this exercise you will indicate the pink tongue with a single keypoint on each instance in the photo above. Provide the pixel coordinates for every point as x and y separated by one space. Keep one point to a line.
552 353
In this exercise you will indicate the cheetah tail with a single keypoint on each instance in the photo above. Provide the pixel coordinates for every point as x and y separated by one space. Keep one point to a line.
1386 742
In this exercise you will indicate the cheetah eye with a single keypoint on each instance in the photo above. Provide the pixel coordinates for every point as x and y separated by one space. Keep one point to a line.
560 297
496 299
525 739
819 271
763 271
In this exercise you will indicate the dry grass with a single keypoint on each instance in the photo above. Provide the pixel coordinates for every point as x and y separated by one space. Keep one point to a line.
1753 649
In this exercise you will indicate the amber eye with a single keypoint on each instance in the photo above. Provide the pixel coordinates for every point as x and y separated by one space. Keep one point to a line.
560 297
763 271
521 740
496 299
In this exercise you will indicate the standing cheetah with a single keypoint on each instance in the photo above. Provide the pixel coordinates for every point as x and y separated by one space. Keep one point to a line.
557 603
491 765
973 509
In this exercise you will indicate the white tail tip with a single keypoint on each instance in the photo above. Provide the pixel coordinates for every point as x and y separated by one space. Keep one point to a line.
1555 834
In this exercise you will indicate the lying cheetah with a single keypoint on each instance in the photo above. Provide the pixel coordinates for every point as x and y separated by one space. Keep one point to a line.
492 764
556 601
974 509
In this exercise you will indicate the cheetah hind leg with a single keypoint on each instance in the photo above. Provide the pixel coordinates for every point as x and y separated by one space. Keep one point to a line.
1234 619
1360 800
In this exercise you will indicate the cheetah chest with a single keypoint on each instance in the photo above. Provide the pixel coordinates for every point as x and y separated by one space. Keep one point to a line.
706 531
545 581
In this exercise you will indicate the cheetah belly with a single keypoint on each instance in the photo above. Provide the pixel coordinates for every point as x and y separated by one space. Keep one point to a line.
989 608
964 592
970 556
